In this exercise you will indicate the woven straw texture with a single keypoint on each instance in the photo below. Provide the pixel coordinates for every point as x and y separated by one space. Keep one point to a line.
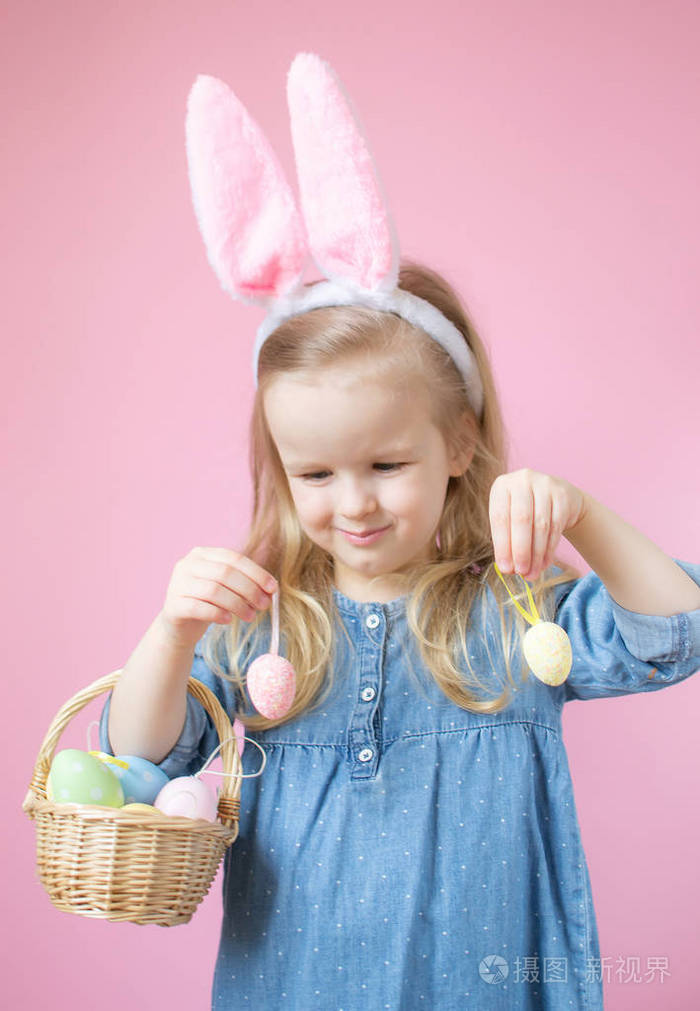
140 866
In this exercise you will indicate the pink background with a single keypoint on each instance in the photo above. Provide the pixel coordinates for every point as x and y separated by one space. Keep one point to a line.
545 157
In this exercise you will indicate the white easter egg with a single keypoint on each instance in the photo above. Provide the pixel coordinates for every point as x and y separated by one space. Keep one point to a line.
547 649
271 685
188 797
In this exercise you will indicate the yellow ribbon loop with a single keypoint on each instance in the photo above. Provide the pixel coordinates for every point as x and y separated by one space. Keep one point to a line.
532 618
104 757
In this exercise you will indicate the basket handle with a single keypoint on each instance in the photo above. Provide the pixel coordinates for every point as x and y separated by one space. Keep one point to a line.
229 795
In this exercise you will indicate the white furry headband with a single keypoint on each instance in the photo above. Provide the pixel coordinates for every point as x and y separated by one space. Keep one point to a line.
256 240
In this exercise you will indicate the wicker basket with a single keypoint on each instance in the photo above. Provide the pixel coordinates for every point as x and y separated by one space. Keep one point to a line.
116 864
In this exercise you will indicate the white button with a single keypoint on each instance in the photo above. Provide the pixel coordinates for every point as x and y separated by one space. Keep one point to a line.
368 693
372 621
365 755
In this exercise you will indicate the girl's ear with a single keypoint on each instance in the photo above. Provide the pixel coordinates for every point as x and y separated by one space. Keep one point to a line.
463 445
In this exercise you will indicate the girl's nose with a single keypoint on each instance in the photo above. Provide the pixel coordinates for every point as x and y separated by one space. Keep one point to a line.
357 499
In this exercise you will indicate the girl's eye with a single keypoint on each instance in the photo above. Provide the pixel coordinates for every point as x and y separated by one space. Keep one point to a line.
319 475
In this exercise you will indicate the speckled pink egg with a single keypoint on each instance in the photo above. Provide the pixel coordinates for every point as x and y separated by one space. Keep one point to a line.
271 685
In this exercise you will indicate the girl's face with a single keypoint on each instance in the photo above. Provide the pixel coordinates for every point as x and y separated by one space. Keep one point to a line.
360 458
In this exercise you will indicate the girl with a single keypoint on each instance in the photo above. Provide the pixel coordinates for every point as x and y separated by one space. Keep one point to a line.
413 840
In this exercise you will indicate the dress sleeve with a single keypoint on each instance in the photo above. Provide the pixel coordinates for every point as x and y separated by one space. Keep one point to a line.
618 652
199 737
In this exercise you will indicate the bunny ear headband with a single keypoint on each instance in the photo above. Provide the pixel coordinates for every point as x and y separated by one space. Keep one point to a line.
257 242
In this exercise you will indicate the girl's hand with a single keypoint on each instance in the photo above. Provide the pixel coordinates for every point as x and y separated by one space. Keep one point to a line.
211 585
529 512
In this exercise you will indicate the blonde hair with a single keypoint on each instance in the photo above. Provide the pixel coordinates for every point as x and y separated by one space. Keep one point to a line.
441 593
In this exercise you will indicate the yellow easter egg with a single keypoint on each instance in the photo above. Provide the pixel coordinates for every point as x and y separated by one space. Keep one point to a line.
139 807
547 650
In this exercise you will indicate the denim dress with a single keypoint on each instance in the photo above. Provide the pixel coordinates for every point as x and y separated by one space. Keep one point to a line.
399 852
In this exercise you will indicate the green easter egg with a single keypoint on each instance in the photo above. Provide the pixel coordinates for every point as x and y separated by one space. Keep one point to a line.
78 778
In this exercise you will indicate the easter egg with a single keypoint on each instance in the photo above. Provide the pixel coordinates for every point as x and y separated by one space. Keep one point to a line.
77 777
547 650
188 797
239 732
141 780
271 685
139 807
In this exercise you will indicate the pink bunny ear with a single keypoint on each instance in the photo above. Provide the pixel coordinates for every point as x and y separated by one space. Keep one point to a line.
349 229
253 233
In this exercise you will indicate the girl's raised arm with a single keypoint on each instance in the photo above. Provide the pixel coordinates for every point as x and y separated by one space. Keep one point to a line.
636 572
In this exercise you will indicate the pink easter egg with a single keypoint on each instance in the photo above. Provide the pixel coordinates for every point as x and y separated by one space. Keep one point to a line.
187 797
271 685
239 732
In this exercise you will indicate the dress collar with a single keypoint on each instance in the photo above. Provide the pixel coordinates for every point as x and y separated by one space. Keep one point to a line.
363 607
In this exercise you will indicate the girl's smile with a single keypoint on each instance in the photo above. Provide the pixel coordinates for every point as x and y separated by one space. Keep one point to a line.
368 537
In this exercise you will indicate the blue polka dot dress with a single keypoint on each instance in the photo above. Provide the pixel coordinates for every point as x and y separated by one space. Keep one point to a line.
399 852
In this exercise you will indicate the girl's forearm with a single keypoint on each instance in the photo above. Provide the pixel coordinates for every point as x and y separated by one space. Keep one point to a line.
149 702
637 573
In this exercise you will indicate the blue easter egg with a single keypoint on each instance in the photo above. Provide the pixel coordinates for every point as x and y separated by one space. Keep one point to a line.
142 781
